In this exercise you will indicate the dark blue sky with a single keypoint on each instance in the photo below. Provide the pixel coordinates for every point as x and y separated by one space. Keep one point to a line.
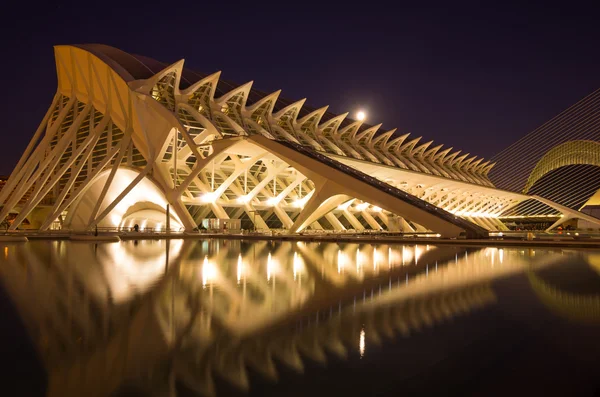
473 77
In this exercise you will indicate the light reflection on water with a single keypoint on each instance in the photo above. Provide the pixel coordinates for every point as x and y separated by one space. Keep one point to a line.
220 305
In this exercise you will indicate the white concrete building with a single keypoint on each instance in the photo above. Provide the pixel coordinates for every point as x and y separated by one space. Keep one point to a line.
125 136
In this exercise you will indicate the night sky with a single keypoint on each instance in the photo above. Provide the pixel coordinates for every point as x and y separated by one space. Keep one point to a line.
469 77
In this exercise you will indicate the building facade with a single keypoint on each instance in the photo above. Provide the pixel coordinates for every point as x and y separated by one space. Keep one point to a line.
128 140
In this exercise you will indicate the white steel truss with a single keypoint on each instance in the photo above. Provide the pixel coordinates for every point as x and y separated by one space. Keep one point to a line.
119 144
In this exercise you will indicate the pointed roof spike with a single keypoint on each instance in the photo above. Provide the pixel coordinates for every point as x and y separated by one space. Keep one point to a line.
144 85
270 97
211 78
432 151
469 160
458 160
409 145
481 167
369 132
465 163
296 105
320 112
487 169
396 142
449 159
473 166
245 88
384 137
420 149
440 156
351 128
335 121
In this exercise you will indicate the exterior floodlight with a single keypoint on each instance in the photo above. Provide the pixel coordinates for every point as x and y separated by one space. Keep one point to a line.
360 116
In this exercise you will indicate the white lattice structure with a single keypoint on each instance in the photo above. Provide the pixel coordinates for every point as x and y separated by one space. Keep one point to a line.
126 135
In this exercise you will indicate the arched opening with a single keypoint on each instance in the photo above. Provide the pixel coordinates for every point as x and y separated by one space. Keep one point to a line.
144 204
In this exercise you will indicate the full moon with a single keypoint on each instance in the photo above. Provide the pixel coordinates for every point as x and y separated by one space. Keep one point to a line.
360 116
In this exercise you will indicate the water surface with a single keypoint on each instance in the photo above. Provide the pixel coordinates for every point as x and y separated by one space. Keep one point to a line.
231 317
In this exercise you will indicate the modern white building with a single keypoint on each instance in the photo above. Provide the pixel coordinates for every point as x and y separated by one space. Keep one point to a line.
127 137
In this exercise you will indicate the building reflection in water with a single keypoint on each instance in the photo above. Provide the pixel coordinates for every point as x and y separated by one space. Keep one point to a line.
106 314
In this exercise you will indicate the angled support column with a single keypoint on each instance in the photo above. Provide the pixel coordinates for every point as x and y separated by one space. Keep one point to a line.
420 228
75 195
183 214
27 167
406 227
384 218
339 181
9 186
335 222
488 224
122 149
371 221
352 219
85 149
323 200
283 217
219 148
46 165
253 214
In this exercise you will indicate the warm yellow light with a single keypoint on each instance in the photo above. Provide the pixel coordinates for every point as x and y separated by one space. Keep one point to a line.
115 219
298 265
209 272
342 259
210 197
269 266
361 343
418 252
362 206
376 258
240 268
361 115
360 258
345 205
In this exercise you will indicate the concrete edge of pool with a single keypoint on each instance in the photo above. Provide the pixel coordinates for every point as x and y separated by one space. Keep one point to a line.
550 241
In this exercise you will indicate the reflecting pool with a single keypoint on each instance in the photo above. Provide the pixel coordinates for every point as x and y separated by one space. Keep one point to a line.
270 318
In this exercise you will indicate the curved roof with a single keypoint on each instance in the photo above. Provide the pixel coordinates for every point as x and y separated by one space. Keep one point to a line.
129 67
137 67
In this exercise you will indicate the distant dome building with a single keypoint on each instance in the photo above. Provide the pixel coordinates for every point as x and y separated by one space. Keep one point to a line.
559 161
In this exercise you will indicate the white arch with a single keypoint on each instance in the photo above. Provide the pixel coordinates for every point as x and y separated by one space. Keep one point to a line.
145 191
